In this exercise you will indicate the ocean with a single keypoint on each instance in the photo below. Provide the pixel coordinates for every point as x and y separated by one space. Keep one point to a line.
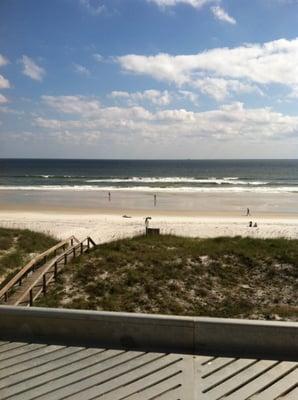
264 176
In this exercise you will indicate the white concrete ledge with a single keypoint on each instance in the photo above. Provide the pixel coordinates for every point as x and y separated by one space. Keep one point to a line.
190 335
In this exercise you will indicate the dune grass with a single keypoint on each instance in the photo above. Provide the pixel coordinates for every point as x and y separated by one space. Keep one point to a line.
222 277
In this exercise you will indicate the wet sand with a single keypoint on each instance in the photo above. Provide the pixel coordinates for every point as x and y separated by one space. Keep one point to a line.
177 203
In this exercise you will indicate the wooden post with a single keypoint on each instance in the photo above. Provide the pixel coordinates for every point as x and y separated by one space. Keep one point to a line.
5 296
31 298
88 241
82 247
55 271
44 284
71 241
74 252
65 259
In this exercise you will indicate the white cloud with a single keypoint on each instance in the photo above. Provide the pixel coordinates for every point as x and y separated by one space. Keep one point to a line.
228 122
273 62
98 57
157 97
3 99
172 3
219 88
73 104
190 96
94 7
31 69
80 69
220 14
3 60
4 83
7 110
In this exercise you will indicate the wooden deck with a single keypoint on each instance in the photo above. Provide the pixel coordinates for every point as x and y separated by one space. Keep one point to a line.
45 371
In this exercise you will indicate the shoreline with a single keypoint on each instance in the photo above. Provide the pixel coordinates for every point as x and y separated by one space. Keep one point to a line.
196 215
143 202
46 210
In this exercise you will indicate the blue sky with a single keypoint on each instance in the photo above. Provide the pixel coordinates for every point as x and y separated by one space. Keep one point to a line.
149 78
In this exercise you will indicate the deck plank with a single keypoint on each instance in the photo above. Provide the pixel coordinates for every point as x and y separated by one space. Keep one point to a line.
279 388
101 379
223 374
236 381
262 381
42 375
172 389
10 347
48 354
53 372
292 395
145 376
24 361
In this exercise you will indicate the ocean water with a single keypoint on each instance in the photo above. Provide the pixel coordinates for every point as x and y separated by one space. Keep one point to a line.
267 176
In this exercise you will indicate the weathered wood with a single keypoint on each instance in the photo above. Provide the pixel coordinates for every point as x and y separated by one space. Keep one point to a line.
53 372
30 266
44 284
38 281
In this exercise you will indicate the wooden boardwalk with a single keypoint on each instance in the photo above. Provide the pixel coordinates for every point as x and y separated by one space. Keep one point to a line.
53 372
32 280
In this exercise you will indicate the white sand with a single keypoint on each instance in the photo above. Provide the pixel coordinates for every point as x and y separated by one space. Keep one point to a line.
106 227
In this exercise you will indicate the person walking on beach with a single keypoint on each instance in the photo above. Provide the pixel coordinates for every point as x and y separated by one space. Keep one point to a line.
155 200
109 196
247 212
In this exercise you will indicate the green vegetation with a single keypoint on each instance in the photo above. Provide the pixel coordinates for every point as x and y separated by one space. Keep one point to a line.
17 247
222 277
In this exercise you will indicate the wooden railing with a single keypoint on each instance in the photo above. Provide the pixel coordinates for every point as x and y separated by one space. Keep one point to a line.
42 281
34 264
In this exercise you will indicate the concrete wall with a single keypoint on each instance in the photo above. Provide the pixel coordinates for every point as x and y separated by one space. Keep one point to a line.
214 336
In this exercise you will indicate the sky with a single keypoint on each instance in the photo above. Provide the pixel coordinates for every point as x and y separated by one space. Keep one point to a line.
152 79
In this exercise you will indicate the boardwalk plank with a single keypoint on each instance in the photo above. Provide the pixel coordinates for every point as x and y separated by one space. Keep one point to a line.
152 377
278 388
33 378
72 375
216 364
262 381
9 347
29 360
172 389
102 379
237 380
226 372
292 395
27 348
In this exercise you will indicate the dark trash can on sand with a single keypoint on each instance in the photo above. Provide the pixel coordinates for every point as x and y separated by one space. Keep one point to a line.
152 231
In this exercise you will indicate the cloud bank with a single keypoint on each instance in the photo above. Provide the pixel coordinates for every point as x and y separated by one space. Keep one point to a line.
228 122
246 66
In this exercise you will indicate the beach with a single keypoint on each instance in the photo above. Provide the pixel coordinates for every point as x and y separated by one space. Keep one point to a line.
82 214
110 199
